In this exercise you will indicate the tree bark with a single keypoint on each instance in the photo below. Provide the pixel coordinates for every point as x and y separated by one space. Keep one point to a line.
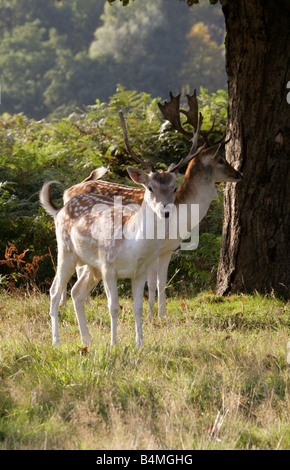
255 248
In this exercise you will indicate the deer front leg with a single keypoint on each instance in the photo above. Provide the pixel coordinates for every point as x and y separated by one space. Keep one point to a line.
110 284
138 285
163 263
152 286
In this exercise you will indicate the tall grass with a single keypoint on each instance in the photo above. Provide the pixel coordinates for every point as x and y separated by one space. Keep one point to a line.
213 374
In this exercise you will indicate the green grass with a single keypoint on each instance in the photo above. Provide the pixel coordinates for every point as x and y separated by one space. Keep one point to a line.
212 375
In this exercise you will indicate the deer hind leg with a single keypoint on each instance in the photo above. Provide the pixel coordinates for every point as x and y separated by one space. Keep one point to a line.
64 293
87 279
80 270
152 286
138 285
163 263
63 297
65 269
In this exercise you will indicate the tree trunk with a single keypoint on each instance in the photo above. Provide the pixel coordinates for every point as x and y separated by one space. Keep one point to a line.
255 248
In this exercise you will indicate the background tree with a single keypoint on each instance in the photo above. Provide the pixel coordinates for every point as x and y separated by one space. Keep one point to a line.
56 56
43 55
154 51
255 250
24 57
206 64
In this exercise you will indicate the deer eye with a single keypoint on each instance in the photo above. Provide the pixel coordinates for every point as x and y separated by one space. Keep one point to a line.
221 161
175 189
150 189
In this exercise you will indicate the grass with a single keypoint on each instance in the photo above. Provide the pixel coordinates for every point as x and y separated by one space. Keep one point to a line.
212 375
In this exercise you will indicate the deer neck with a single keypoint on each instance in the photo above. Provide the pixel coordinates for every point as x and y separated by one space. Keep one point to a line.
140 245
146 225
198 187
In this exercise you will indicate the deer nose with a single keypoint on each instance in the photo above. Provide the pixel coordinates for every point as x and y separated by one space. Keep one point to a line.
165 213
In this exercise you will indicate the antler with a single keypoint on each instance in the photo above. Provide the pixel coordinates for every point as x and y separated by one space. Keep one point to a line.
192 153
192 113
171 112
147 165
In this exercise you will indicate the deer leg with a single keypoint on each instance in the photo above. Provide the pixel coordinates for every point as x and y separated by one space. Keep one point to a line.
138 285
63 297
65 269
64 293
110 284
79 270
55 297
152 285
163 263
80 291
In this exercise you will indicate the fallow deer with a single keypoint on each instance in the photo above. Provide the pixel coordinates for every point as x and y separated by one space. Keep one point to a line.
80 225
204 168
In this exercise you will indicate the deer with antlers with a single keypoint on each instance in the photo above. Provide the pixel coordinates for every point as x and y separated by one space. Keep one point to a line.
112 242
204 168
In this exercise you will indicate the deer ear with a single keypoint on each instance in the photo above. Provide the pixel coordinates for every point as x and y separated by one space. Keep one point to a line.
96 174
214 150
137 175
208 154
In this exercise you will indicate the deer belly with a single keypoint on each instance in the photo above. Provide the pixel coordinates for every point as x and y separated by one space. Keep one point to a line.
169 245
133 264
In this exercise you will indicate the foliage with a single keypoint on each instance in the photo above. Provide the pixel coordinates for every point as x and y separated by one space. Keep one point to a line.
25 270
55 56
67 149
213 374
214 106
189 2
207 59
41 48
128 30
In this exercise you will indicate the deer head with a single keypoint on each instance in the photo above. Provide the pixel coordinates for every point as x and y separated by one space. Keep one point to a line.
212 166
209 156
160 189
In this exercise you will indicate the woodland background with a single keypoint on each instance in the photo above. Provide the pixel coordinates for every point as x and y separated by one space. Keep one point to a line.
214 373
55 56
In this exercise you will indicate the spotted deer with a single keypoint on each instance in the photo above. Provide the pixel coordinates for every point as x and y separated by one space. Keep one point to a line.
204 168
82 227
